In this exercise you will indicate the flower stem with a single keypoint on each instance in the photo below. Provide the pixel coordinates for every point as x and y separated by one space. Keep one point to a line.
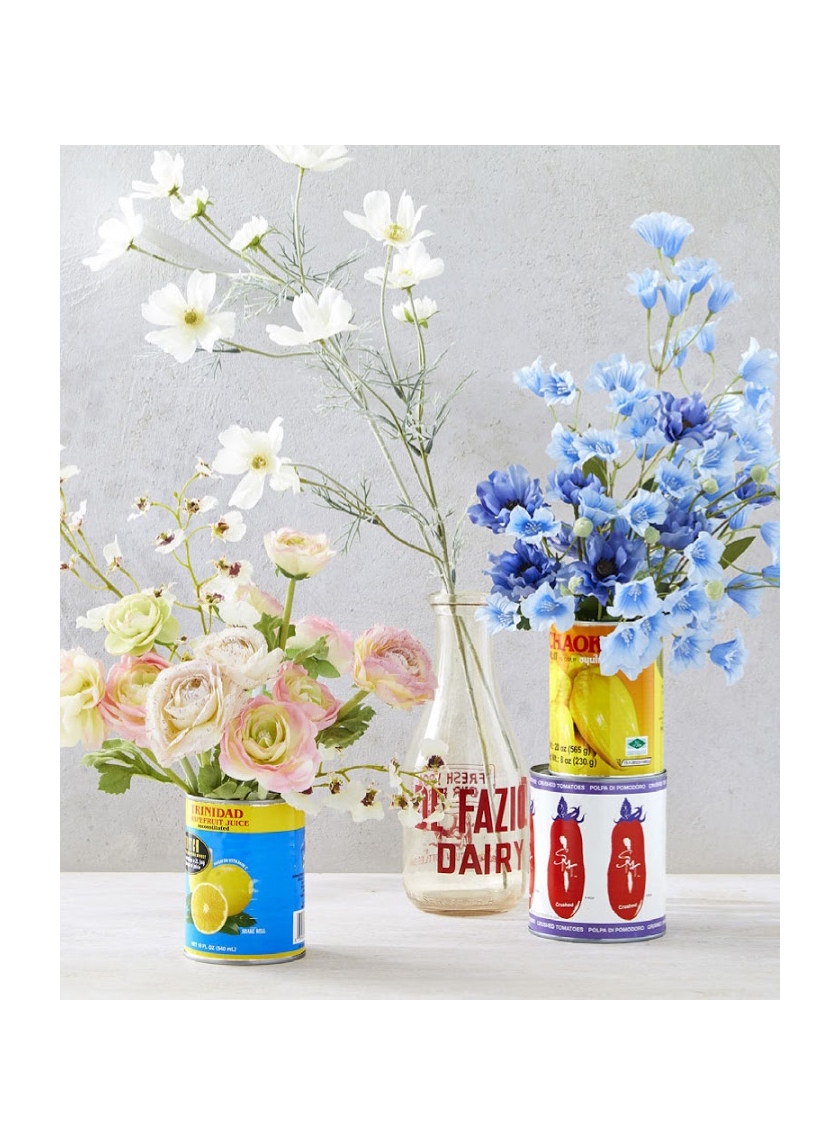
287 613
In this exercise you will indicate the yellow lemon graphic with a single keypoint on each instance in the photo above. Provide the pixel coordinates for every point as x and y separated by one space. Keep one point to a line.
199 876
209 909
234 883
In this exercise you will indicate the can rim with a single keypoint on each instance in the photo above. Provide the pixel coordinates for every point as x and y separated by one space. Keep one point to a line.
242 803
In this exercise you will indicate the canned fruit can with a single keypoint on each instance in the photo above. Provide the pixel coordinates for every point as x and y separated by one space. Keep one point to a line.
244 882
597 857
601 725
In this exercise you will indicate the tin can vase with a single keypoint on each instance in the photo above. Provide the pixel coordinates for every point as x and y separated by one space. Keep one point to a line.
601 725
468 853
244 881
597 857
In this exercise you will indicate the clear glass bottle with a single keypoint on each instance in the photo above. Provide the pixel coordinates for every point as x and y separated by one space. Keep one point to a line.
469 854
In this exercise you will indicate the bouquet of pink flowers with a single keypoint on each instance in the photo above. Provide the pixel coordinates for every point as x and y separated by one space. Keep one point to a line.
240 710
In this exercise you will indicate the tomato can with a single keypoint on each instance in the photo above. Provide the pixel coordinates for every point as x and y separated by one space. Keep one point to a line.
601 725
245 881
597 857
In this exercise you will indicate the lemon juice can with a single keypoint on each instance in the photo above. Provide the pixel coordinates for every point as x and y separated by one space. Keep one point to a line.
244 881
601 725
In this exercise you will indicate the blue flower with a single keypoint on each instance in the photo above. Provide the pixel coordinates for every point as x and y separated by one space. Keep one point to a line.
703 558
566 485
689 607
689 650
559 387
645 508
516 574
531 527
665 232
680 527
696 272
530 378
678 352
719 457
635 599
629 648
761 399
723 293
674 480
642 429
730 655
616 373
771 536
602 444
744 590
645 287
611 559
594 504
684 419
547 607
758 365
565 446
675 295
498 613
706 338
500 493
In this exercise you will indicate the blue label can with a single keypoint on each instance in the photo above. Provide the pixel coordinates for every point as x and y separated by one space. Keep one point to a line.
244 881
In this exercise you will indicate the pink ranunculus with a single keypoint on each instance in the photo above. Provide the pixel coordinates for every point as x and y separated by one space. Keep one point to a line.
394 665
294 685
272 743
124 703
308 630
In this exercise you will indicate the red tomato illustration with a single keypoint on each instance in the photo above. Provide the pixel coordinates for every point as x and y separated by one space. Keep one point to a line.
566 874
531 852
627 873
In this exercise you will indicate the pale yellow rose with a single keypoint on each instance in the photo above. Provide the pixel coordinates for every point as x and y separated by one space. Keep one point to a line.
134 623
296 554
82 690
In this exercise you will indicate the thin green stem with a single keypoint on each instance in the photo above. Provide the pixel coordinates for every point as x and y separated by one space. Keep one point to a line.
287 613
296 227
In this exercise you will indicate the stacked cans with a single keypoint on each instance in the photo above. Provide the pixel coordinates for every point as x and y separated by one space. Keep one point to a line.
598 807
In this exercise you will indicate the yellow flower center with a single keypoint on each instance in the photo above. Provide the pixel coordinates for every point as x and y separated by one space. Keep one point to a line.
191 317
259 462
396 233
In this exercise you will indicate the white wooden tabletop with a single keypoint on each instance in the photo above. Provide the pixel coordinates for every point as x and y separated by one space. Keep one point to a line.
122 938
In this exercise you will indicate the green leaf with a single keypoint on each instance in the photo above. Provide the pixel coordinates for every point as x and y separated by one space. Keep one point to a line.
649 484
347 730
734 550
224 791
596 467
270 627
587 609
234 923
189 908
114 778
209 777
317 668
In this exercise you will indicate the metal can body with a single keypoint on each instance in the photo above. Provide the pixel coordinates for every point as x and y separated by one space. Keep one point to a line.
601 725
244 881
597 857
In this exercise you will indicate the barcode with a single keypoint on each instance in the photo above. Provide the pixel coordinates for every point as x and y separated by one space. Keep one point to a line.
297 927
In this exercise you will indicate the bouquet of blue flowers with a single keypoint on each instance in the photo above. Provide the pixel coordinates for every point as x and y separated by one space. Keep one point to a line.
649 522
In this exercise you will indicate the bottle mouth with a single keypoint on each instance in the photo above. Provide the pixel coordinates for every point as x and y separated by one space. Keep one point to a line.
458 600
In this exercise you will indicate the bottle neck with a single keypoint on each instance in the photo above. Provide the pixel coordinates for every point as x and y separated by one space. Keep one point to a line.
463 646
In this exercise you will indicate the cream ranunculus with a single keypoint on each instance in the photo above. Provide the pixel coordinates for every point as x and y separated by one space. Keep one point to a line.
298 555
134 623
82 689
188 707
242 654
394 665
124 703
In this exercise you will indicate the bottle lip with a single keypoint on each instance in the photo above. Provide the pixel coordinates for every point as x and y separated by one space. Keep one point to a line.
458 600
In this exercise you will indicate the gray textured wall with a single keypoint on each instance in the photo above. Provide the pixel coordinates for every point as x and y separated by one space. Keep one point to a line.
537 243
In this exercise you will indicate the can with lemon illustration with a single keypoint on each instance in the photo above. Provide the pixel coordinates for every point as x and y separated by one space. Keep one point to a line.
601 725
245 893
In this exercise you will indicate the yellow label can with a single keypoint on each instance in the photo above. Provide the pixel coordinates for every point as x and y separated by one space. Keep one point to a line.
601 725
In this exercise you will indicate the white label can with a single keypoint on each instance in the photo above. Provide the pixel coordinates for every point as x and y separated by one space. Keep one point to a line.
597 857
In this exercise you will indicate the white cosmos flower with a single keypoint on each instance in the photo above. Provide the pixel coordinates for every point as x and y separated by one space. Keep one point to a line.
360 800
189 321
255 454
141 505
168 175
77 520
409 268
250 234
166 542
67 471
113 555
318 320
424 308
231 527
309 802
194 505
311 156
117 237
379 225
240 613
192 206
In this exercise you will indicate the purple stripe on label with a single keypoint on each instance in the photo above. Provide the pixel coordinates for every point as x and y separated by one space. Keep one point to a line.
561 929
550 782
